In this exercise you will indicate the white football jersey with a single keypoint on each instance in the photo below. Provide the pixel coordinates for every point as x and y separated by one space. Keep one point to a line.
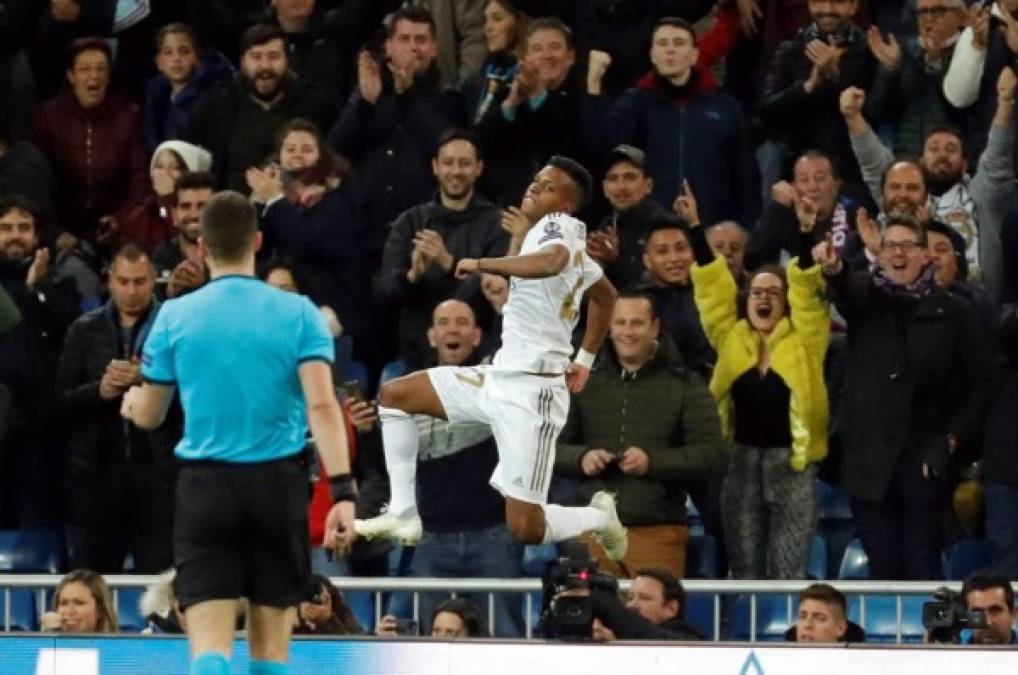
540 314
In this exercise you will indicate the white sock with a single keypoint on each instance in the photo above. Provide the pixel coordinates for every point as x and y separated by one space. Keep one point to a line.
566 522
399 442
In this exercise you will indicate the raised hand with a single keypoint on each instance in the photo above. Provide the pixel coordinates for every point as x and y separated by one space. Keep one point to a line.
1006 84
806 212
784 193
433 249
887 52
851 102
38 269
685 205
515 222
824 56
465 267
369 80
1010 27
825 256
869 230
749 14
597 65
495 289
979 19
603 245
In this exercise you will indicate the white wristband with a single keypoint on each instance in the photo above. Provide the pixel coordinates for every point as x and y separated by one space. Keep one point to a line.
584 358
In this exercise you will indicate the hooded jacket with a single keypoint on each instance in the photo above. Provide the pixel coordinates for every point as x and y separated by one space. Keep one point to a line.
797 346
165 114
694 133
664 409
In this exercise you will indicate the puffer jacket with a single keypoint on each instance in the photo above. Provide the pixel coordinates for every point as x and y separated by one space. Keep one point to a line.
796 345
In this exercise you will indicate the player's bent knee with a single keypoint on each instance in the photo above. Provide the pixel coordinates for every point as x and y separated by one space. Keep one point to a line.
525 522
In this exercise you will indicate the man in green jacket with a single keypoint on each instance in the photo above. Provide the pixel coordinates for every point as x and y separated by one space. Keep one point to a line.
644 428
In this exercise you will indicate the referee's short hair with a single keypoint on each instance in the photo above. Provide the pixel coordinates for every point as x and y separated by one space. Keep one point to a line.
228 226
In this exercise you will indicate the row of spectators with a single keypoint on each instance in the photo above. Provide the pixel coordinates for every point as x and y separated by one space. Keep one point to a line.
380 153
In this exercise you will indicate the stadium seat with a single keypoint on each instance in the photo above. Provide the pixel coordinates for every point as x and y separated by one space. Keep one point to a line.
23 612
40 551
881 618
773 617
700 613
391 371
854 564
702 557
816 568
128 612
964 558
834 504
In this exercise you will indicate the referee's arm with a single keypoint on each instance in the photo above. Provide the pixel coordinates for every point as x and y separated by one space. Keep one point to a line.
324 417
146 406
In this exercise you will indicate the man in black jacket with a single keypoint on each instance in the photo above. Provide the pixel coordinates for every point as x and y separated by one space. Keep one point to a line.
427 240
238 121
119 476
916 389
655 610
808 74
47 304
619 243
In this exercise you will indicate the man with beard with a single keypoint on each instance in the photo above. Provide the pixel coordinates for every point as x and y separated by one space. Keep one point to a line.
800 98
973 206
178 263
238 121
29 491
916 387
427 240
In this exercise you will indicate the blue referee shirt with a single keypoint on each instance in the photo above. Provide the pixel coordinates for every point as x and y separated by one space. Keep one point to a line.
233 348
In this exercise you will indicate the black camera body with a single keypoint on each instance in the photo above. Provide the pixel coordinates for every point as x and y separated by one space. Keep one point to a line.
948 615
567 611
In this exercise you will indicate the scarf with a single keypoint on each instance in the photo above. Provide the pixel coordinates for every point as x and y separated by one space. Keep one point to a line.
913 292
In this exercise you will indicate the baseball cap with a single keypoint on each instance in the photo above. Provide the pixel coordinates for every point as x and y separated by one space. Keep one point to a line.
626 153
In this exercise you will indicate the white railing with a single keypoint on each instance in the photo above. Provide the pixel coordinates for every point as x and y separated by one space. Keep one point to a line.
717 588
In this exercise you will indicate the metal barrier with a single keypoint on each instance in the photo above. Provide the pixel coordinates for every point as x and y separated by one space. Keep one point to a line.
718 589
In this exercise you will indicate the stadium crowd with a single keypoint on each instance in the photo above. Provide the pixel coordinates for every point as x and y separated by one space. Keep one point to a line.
808 208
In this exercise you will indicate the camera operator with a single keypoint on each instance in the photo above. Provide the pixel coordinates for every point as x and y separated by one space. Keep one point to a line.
453 619
657 596
582 603
993 595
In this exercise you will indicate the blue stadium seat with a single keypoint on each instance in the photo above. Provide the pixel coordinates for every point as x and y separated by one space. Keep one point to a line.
355 370
964 558
882 617
700 613
816 568
855 564
23 612
391 371
128 612
702 557
772 617
40 551
834 504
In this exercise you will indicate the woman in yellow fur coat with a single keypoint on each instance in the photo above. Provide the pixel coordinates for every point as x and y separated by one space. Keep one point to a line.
771 338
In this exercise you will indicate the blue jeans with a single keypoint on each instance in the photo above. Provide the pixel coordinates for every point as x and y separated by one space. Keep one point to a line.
1002 527
490 553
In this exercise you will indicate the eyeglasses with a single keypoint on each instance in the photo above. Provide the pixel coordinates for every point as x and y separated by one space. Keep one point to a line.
761 293
905 247
934 12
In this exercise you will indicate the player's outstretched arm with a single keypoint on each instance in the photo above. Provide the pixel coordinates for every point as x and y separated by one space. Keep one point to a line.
601 303
146 406
329 431
541 264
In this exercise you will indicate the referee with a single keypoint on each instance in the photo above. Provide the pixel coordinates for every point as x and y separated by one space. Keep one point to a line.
252 366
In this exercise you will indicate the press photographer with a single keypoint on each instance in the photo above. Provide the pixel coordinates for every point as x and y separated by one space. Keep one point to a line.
582 603
982 614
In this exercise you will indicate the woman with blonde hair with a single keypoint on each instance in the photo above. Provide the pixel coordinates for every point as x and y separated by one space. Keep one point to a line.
82 604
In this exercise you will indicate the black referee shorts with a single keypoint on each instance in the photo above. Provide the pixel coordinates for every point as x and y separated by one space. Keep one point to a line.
242 530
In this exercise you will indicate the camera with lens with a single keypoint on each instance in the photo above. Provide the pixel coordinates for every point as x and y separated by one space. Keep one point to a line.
948 615
567 611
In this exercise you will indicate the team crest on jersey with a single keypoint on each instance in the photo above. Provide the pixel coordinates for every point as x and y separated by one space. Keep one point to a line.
552 230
